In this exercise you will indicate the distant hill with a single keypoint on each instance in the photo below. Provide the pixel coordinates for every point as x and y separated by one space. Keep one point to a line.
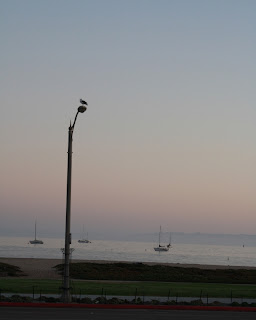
199 238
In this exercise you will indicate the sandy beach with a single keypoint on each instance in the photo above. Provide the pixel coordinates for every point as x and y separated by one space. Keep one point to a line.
44 268
35 268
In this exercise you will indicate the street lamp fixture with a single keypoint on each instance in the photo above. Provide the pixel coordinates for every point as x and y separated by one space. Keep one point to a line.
66 297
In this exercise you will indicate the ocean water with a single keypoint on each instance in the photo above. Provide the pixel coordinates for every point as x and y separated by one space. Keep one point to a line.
229 255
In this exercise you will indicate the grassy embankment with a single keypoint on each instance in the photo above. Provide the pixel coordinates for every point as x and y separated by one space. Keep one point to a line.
139 279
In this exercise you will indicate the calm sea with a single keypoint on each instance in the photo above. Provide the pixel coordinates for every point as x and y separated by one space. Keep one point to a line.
238 255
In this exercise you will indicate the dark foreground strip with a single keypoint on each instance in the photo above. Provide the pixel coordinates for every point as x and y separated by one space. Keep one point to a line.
123 306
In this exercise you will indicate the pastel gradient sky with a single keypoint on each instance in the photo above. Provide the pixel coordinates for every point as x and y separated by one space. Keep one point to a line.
169 134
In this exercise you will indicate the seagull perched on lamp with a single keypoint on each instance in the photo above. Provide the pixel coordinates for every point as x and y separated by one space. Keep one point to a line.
83 102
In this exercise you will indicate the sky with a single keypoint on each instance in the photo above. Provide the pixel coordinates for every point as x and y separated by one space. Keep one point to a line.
168 137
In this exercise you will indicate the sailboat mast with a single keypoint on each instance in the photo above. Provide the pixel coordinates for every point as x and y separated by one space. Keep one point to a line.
35 230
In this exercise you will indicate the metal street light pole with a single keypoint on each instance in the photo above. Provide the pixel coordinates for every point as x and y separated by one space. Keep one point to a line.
66 297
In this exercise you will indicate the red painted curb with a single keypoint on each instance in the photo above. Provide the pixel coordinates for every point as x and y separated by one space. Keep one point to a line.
124 306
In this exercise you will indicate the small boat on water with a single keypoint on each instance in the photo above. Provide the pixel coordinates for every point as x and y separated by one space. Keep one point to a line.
36 241
162 248
83 241
83 238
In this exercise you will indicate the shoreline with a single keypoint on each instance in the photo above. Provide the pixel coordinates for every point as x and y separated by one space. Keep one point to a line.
40 268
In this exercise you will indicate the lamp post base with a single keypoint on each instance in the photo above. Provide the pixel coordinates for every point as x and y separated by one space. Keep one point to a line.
66 296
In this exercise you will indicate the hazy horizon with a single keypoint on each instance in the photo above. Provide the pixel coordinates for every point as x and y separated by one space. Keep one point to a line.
169 134
176 238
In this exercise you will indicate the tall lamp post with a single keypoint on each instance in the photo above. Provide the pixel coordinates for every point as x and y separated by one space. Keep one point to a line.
66 297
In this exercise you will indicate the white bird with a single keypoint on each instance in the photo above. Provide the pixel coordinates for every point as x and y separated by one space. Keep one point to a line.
83 102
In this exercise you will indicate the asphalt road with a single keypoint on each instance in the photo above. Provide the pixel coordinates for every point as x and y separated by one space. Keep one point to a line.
14 313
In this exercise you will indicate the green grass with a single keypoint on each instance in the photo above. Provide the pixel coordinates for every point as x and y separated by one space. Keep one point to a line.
130 288
140 280
10 285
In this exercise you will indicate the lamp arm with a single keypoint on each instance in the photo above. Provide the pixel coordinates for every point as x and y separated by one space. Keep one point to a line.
75 120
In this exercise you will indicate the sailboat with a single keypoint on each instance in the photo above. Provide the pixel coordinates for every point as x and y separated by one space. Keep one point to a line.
36 241
160 247
83 239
